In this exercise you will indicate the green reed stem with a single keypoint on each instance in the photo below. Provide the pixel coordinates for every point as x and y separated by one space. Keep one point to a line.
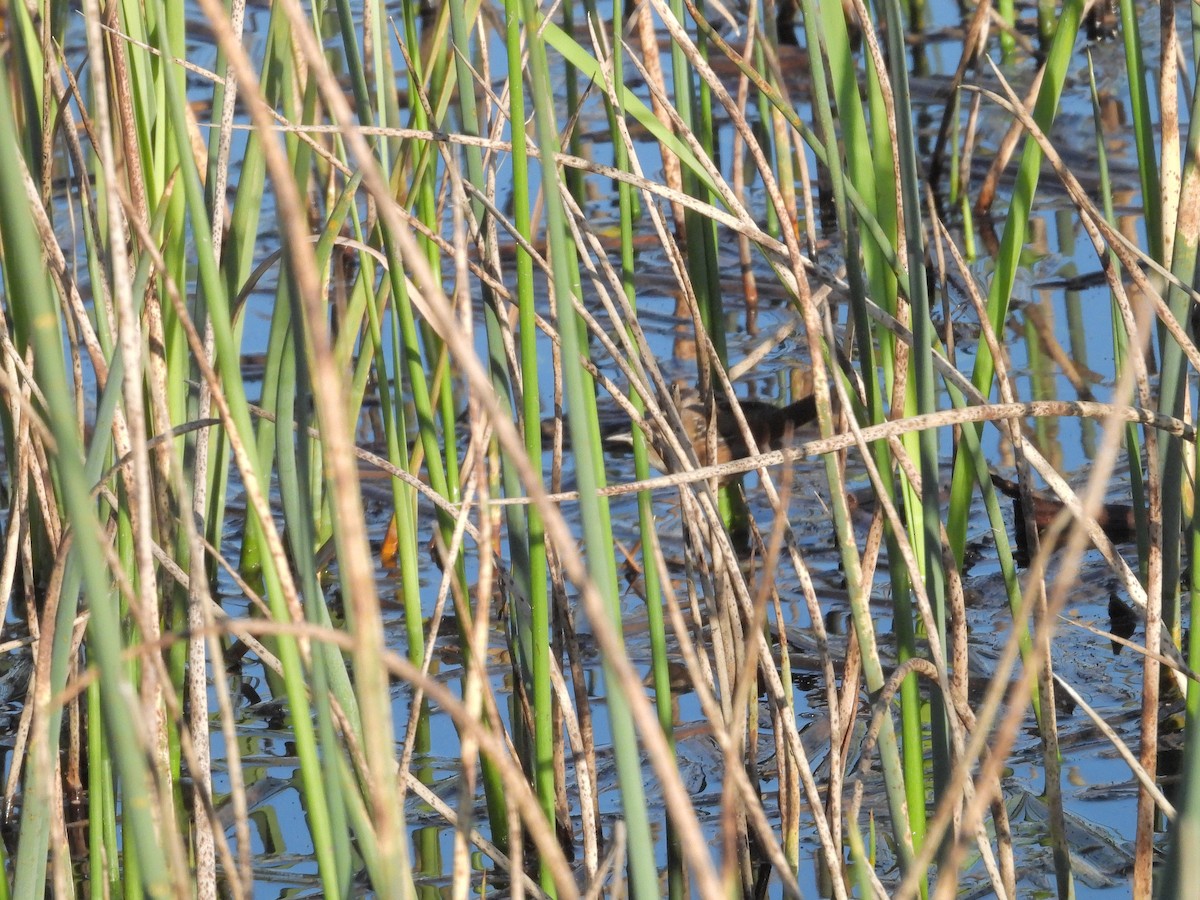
1008 15
585 439
872 174
423 188
925 385
544 723
898 785
647 525
1012 242
700 231
518 538
1141 118
1173 378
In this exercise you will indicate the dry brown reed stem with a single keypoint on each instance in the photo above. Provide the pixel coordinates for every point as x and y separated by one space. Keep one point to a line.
906 551
1008 145
1021 691
791 807
17 384
1169 179
200 759
712 606
1017 701
67 286
39 697
137 477
239 875
68 787
24 421
567 643
129 333
254 494
21 498
769 344
1019 697
1171 204
653 74
611 866
775 690
789 787
127 322
973 45
970 135
880 706
476 694
585 768
1004 877
732 739
894 428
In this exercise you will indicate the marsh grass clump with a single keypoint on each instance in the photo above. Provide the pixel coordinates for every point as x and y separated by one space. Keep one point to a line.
447 447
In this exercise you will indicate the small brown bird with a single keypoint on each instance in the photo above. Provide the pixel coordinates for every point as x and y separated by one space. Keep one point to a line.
1117 520
770 425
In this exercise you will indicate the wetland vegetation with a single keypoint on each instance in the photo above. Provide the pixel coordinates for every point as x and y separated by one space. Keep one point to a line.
511 448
